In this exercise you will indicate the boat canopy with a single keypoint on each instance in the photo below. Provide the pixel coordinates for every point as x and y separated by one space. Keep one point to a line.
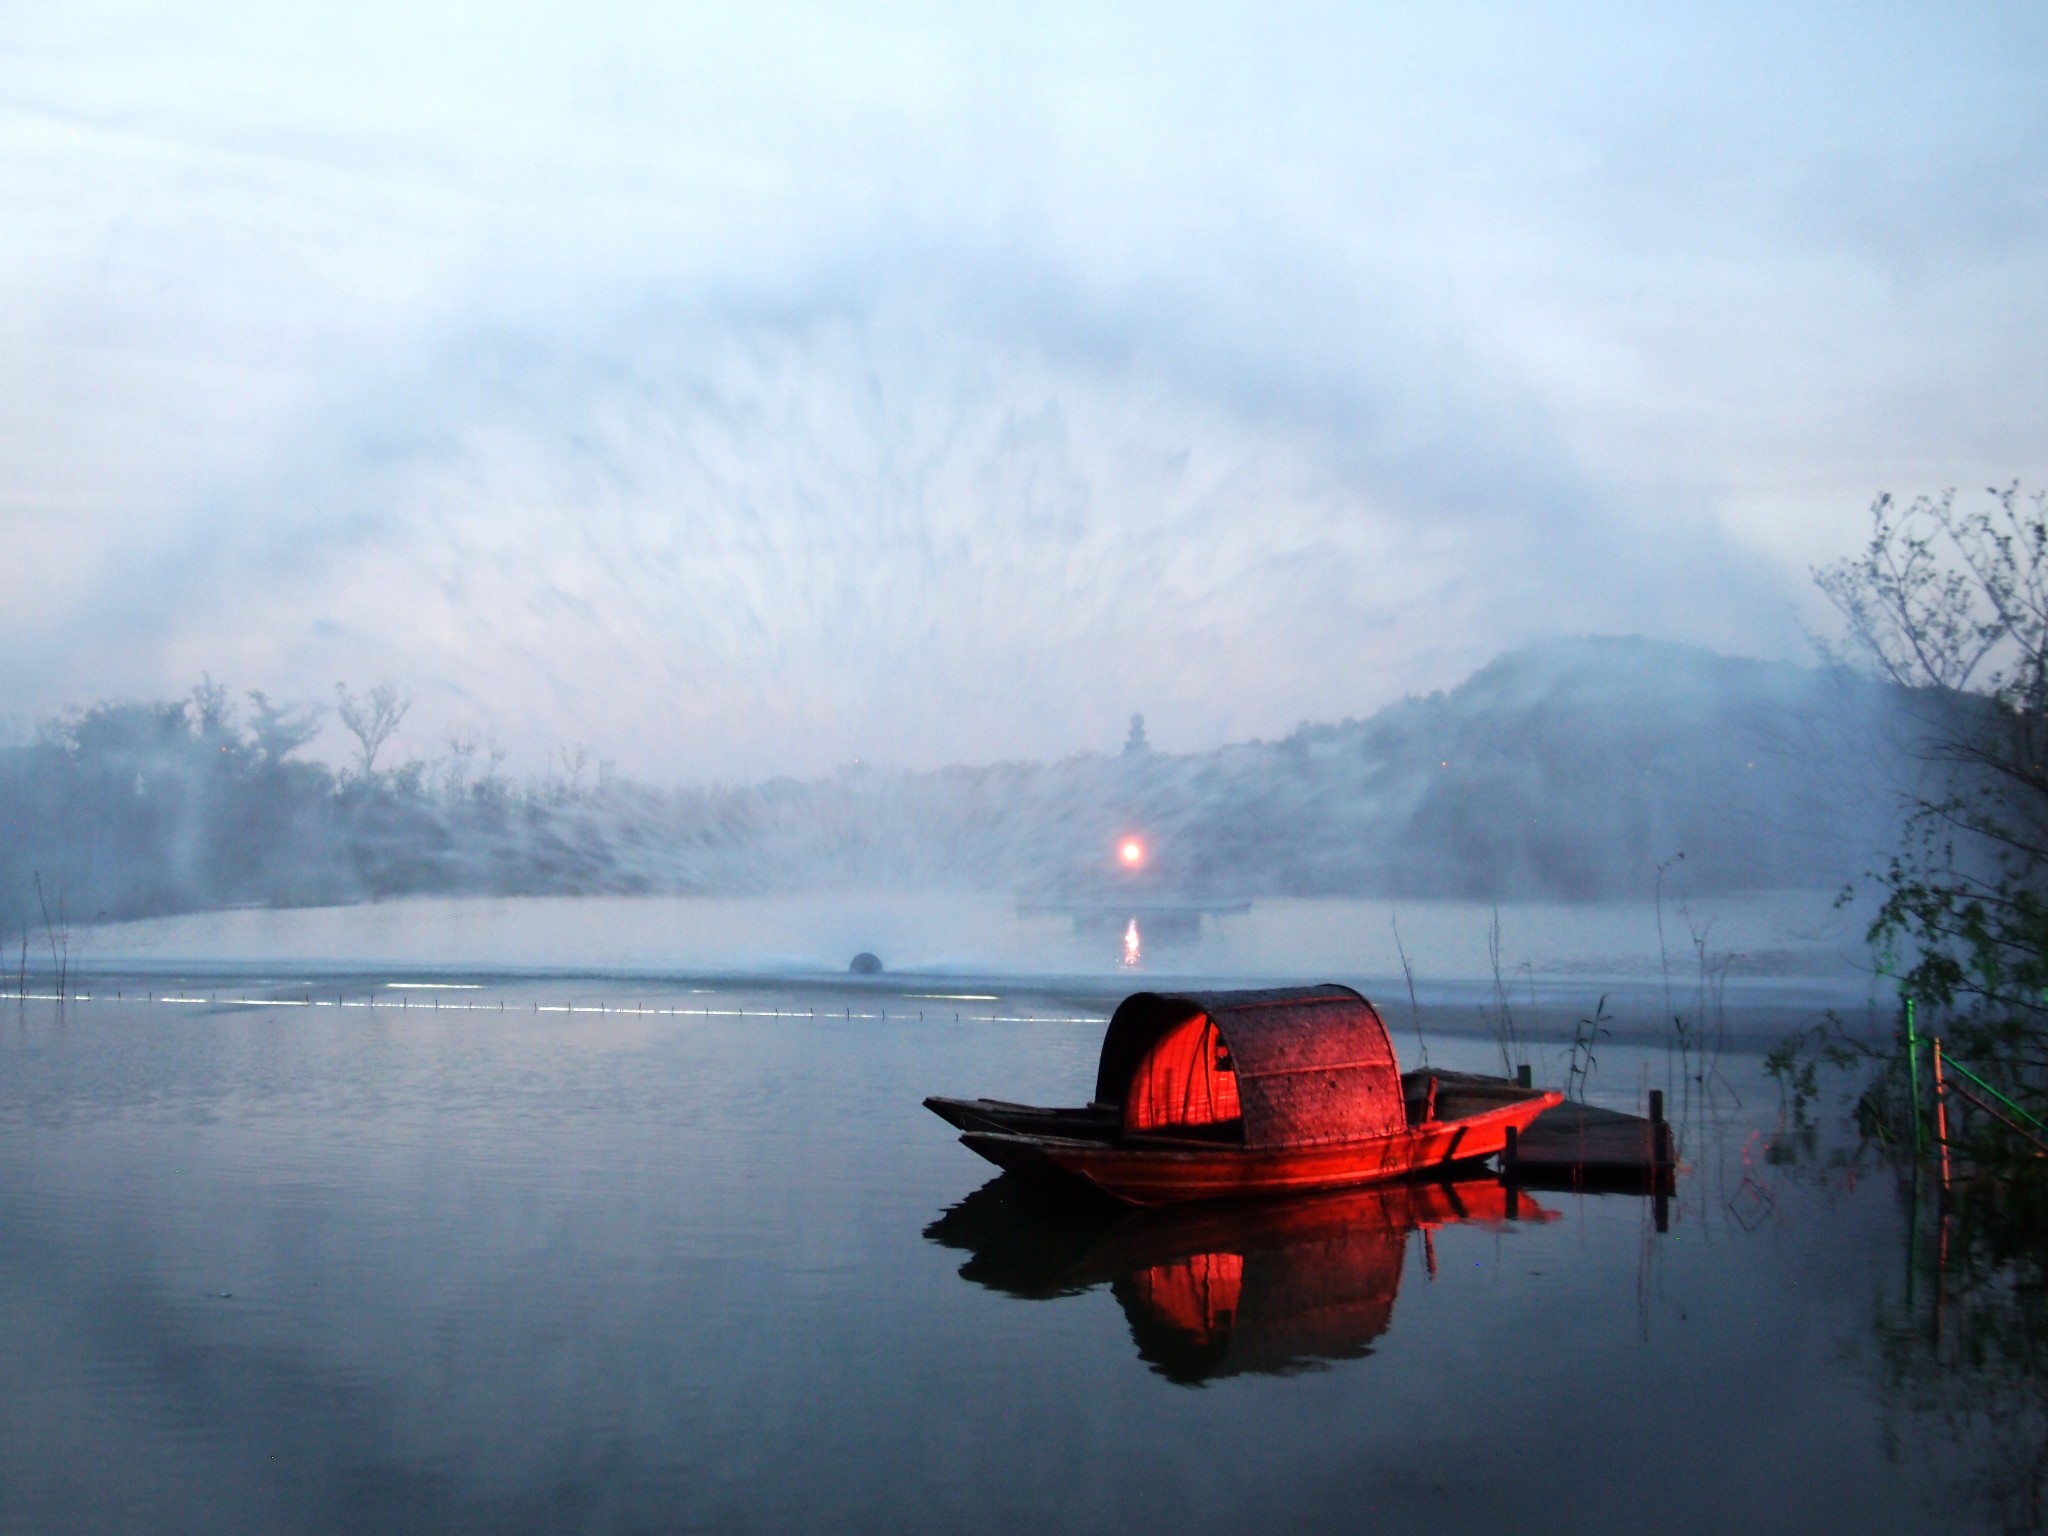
1300 1066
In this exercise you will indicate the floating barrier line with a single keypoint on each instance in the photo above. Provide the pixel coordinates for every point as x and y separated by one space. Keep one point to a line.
629 1011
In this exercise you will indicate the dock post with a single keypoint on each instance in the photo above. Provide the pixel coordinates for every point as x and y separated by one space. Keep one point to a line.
1523 1077
1508 1155
1941 1124
1660 1134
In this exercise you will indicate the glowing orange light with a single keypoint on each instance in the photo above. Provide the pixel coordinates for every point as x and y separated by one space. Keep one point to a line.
1132 953
1132 852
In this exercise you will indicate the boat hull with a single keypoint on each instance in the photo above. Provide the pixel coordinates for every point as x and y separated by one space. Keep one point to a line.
1154 1171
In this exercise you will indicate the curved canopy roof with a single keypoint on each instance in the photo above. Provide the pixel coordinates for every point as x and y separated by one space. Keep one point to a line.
1312 1064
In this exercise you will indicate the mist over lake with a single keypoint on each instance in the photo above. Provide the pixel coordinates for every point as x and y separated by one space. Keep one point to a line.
1571 771
1783 940
1091 768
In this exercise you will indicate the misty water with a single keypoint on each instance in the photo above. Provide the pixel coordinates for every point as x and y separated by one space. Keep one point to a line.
342 1248
1799 940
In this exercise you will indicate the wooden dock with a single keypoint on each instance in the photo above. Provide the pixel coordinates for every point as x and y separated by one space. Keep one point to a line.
1579 1146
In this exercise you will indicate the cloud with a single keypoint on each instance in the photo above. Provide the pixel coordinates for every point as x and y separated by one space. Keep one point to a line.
736 397
886 519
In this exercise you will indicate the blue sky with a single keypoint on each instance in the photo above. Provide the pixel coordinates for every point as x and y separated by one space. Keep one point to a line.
748 389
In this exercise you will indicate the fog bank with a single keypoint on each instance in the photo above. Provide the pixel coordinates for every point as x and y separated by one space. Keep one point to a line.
1572 771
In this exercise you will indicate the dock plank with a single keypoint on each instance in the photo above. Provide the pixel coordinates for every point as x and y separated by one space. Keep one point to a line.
1584 1144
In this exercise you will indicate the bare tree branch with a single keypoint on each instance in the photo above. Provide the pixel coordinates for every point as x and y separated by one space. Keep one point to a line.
372 719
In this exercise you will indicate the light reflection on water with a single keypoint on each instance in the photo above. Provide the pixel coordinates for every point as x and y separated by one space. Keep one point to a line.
440 1270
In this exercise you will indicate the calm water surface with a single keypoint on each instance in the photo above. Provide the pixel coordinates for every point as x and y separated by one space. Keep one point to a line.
306 1269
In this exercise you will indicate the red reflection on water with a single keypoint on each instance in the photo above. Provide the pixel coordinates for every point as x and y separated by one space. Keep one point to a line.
1223 1289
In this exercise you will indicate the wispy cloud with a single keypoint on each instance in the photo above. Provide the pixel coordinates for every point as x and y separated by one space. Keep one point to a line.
744 394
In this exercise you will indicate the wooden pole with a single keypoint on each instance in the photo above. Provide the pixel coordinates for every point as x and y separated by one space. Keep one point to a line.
1941 1117
1508 1155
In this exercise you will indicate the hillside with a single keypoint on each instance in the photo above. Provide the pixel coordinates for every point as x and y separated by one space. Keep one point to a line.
1569 769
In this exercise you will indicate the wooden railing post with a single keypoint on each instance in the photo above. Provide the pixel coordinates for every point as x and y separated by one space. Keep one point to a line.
1941 1113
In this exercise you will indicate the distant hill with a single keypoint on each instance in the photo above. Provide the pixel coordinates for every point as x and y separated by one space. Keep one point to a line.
1567 769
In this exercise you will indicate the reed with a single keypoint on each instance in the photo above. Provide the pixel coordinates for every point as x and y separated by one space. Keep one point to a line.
57 934
1500 1019
1408 975
1699 1035
1583 1062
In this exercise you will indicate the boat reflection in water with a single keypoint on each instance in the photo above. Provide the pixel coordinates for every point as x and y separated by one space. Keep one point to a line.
1273 1286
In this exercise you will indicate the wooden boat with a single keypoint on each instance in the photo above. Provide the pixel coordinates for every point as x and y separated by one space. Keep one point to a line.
1207 1095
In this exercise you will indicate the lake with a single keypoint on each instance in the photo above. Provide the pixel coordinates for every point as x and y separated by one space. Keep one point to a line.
317 1252
1783 940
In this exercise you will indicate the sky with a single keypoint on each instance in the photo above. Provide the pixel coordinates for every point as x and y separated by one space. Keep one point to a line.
744 390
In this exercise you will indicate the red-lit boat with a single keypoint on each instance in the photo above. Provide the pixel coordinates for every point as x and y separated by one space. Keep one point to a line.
1206 1095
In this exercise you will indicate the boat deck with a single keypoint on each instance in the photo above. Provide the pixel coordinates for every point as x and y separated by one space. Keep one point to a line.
1567 1146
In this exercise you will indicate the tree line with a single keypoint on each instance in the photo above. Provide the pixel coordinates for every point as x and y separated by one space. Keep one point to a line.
1564 770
